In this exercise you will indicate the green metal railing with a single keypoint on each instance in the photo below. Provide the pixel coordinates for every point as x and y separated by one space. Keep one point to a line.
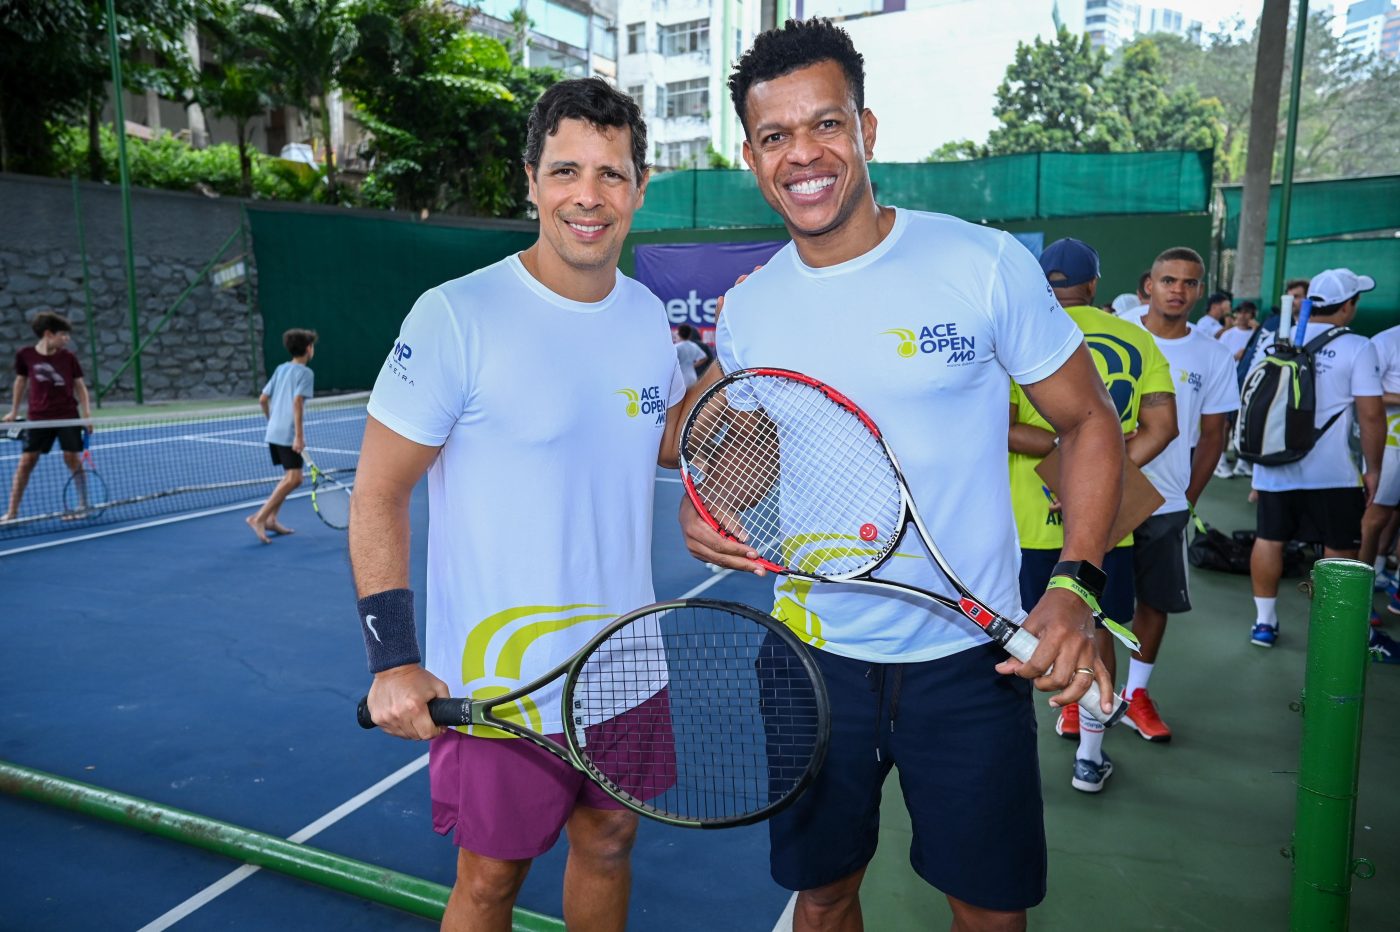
381 885
1333 692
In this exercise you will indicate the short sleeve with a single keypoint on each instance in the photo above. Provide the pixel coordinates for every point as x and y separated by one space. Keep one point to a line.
677 385
1366 373
1034 335
724 346
1222 391
306 382
1156 371
421 390
77 365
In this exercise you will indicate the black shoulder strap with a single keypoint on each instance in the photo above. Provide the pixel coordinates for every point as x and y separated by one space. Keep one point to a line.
1322 339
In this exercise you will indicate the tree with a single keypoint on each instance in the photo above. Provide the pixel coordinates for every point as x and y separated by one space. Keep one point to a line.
446 106
55 63
306 44
238 85
1141 115
1050 99
1263 129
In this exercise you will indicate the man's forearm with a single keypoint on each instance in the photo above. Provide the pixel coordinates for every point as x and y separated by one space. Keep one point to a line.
1156 428
1032 441
16 394
84 400
1091 484
379 541
1207 456
1370 415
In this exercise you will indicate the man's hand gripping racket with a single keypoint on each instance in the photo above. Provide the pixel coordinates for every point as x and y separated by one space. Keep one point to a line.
771 458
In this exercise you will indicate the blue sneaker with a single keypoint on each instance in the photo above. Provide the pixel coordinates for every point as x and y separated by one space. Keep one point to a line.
1383 649
1090 777
1263 635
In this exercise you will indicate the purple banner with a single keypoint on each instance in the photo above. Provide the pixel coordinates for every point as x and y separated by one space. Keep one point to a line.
689 278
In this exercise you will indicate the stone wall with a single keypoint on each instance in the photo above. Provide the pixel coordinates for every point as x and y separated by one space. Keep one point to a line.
205 350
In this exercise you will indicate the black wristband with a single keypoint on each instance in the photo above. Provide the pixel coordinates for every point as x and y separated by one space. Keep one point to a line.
391 637
1083 572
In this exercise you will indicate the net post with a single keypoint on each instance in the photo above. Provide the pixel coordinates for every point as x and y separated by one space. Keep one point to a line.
96 379
125 173
368 881
1331 706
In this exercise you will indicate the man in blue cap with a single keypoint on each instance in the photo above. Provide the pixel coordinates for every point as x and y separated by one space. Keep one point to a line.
1139 382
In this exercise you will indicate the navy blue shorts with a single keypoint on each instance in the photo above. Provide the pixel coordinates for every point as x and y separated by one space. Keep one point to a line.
1118 594
964 741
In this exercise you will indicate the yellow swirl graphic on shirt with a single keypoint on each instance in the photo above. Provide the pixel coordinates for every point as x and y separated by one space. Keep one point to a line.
803 552
500 643
634 406
1392 430
907 346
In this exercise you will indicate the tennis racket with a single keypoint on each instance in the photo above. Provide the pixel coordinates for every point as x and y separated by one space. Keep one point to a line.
85 494
695 713
330 498
775 460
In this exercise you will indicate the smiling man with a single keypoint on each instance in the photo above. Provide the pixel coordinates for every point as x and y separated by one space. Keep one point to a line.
540 480
923 320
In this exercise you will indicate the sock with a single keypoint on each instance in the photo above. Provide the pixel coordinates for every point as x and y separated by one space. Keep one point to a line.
1379 565
1138 675
1266 611
1090 738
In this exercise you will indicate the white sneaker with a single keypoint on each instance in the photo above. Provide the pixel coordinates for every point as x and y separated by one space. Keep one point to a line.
1243 468
1223 472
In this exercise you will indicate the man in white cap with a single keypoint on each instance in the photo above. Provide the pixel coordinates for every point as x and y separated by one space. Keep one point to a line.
1322 496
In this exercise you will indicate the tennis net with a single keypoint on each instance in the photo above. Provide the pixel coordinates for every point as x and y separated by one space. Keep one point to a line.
148 465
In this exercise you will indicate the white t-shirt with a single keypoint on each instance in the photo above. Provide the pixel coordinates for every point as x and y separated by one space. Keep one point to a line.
1345 369
1208 326
689 354
289 381
1204 373
549 413
1235 339
921 332
1387 347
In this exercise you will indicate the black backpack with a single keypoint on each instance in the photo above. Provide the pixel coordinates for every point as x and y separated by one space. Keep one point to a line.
1278 404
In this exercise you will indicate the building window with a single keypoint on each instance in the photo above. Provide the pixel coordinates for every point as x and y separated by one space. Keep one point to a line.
684 38
688 153
683 98
637 92
636 38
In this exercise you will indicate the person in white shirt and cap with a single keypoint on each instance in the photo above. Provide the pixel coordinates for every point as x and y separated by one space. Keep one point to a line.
1322 496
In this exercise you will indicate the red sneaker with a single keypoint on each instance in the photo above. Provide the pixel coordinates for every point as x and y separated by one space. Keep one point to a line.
1067 725
1142 718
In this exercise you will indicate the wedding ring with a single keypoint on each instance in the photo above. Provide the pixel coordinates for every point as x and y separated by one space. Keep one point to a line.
1088 670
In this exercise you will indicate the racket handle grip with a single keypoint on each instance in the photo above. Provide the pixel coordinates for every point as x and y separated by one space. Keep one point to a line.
1022 644
443 712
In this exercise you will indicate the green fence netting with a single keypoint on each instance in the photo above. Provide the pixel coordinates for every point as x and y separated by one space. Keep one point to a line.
352 278
1378 257
1012 187
1323 208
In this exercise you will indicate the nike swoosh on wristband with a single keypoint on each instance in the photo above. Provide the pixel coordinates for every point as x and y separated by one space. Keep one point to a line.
369 623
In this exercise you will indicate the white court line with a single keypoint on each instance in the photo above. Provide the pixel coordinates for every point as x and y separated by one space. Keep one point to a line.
784 923
229 881
235 877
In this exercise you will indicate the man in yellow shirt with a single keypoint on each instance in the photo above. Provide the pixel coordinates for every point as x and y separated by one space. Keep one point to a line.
1139 381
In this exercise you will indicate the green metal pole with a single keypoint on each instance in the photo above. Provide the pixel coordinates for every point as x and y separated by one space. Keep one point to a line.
125 173
96 379
248 298
391 888
1285 200
1333 690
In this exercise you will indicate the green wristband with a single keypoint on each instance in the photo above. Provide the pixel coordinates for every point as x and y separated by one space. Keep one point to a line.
1114 628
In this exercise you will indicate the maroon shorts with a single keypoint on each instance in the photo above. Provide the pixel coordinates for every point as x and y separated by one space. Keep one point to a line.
508 799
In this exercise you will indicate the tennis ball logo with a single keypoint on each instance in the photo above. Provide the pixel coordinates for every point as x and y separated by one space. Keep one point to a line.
634 406
907 345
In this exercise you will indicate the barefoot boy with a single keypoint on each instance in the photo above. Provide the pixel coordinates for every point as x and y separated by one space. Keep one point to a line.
283 399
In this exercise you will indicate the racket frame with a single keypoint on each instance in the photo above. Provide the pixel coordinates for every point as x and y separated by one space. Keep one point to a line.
459 711
319 480
1013 638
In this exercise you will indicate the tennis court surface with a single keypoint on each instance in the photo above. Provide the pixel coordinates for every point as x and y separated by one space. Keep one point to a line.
188 664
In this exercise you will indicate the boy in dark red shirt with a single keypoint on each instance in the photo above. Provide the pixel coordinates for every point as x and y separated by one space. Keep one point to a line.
54 380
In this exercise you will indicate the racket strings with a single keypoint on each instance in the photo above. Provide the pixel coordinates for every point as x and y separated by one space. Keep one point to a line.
699 714
794 474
